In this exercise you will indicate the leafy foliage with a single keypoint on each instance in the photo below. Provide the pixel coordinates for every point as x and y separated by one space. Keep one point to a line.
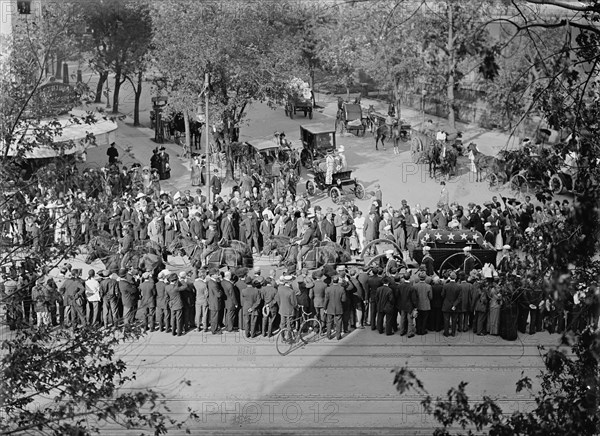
68 382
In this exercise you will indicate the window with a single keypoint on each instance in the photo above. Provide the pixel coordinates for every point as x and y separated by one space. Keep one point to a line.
24 7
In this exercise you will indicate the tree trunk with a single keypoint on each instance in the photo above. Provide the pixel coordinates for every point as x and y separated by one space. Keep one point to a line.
101 80
59 61
118 83
397 97
312 84
186 123
136 104
451 69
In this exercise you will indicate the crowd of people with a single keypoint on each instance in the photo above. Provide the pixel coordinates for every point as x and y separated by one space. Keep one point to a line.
388 298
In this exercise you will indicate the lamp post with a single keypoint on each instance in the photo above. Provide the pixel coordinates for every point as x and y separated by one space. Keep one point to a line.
206 81
423 94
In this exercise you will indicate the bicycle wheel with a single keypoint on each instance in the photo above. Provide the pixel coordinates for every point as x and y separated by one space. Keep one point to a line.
310 330
285 340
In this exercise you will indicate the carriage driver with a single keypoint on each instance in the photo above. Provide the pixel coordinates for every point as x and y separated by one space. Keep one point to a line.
126 246
210 243
304 244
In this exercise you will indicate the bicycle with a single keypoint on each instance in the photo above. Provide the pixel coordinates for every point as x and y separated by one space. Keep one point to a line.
309 330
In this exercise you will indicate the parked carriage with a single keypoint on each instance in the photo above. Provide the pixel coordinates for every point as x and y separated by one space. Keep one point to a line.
447 249
299 104
350 118
377 119
316 139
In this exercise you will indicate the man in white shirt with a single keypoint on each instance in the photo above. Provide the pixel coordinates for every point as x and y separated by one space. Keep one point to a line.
92 293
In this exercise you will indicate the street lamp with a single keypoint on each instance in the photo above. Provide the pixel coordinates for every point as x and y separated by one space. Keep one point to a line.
423 94
203 117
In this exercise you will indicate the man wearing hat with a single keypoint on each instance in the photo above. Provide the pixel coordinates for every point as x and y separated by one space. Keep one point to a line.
424 296
489 238
427 261
232 303
201 300
250 302
126 246
175 289
385 307
129 295
216 300
74 295
211 241
390 262
469 263
268 292
505 265
335 296
109 292
164 169
163 311
286 300
373 283
451 296
148 301
304 244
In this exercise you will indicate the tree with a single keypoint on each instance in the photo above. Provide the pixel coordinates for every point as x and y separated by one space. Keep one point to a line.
69 382
559 254
454 39
245 65
121 36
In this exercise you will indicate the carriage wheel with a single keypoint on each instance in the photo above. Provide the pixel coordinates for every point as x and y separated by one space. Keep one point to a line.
335 194
456 262
556 184
494 181
518 183
310 330
285 340
310 187
359 191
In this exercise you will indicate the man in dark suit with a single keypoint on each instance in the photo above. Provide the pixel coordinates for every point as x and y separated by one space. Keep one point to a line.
163 311
231 302
129 295
211 241
148 303
287 302
175 289
250 302
451 296
304 244
197 227
385 307
335 296
464 307
406 301
469 263
427 261
270 311
373 284
216 297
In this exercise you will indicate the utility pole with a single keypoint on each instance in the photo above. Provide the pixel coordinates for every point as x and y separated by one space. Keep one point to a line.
206 81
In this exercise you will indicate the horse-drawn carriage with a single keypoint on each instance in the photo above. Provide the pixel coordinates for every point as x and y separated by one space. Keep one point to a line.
384 126
299 98
299 104
317 140
447 249
383 253
350 118
439 154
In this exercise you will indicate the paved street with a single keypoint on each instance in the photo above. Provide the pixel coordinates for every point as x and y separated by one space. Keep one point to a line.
244 386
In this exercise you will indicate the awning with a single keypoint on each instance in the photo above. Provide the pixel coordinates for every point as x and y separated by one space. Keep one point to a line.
104 131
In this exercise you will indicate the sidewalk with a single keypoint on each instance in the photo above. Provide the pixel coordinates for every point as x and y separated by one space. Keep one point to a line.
488 141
